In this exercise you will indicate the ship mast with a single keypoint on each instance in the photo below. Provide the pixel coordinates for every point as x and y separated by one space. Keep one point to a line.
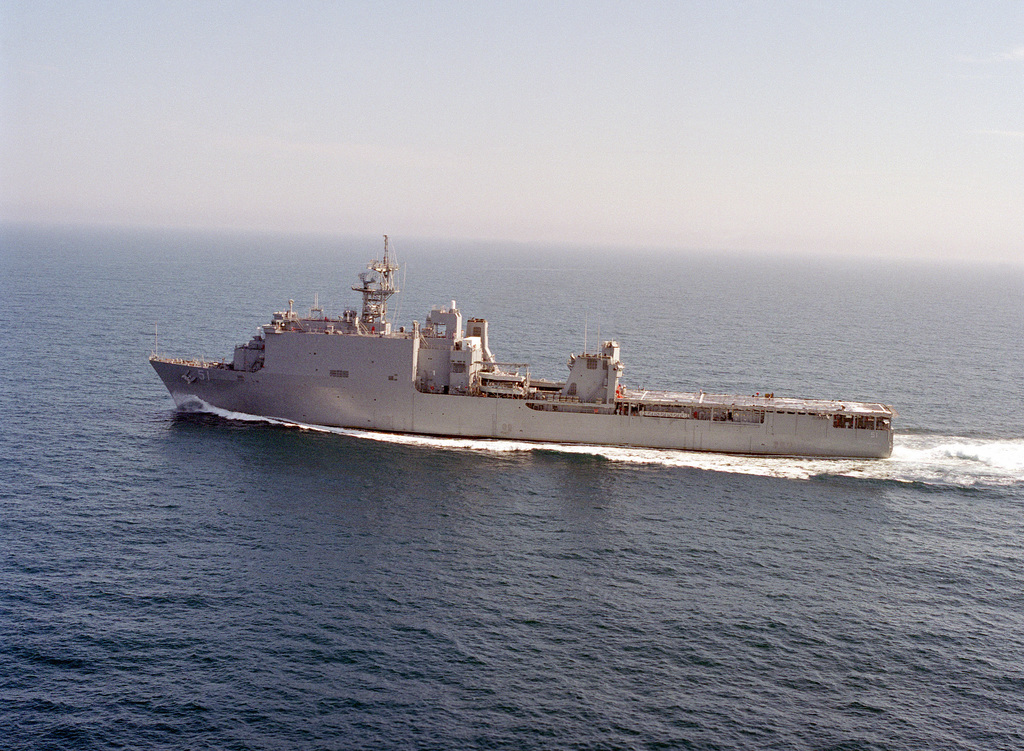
378 284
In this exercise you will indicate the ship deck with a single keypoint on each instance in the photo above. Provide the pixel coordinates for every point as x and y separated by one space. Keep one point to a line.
192 362
649 397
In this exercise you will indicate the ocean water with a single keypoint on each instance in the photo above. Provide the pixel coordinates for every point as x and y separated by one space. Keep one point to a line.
210 580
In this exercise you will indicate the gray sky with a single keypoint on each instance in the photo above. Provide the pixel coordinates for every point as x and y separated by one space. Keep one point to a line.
859 127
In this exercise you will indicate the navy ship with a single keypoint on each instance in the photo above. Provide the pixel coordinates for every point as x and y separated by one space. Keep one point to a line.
441 379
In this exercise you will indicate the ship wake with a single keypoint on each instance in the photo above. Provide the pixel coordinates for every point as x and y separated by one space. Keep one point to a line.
932 460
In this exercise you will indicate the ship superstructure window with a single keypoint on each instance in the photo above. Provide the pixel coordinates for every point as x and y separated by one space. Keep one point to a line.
339 374
458 367
591 364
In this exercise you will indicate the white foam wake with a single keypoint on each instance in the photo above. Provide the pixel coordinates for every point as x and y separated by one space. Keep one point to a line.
959 461
929 459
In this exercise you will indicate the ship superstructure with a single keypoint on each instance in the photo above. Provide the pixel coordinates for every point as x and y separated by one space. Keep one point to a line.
441 378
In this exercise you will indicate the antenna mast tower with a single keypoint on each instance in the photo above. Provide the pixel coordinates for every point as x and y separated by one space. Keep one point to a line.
378 284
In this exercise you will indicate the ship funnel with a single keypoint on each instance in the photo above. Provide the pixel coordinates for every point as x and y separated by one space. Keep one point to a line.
478 327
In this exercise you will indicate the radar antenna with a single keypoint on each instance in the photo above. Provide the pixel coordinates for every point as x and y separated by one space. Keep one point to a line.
378 284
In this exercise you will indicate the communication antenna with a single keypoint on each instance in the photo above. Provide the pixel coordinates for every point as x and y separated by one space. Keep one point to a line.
398 312
398 309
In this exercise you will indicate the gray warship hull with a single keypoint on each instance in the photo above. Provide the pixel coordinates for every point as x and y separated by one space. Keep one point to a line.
441 379
401 408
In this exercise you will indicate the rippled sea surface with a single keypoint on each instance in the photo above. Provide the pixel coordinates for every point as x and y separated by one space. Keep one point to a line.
209 580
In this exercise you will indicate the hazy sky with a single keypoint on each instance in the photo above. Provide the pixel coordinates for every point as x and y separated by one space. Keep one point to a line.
880 127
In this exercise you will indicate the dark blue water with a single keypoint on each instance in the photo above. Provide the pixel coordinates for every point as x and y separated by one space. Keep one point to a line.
175 580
